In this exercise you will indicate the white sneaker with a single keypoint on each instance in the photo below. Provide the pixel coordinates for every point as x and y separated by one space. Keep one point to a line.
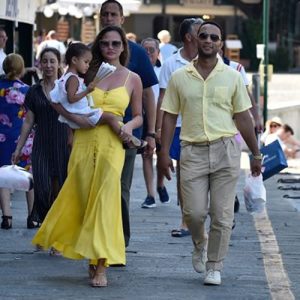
199 259
213 277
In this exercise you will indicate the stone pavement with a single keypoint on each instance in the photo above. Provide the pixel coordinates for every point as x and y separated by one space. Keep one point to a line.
262 263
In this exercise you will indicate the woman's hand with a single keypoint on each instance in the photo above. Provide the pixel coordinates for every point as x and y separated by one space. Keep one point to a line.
82 120
125 133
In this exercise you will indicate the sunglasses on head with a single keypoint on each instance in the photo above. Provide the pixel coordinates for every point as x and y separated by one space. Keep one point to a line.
214 37
151 50
274 125
113 44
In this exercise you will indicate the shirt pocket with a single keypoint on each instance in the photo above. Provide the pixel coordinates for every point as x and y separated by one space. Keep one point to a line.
220 95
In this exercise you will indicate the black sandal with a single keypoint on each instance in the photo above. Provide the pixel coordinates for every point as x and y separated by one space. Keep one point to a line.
5 222
31 224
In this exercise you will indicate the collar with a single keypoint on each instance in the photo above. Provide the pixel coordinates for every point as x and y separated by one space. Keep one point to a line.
219 67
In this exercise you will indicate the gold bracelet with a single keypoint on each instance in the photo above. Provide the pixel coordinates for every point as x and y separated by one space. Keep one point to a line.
257 157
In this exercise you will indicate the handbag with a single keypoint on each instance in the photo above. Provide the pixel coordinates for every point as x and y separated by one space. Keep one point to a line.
273 159
15 177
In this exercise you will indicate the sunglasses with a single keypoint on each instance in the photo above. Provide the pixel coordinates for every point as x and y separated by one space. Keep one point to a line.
274 125
214 37
151 50
113 44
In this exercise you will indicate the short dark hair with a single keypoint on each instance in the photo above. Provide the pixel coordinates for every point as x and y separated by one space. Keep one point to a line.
288 128
76 49
214 24
115 2
186 26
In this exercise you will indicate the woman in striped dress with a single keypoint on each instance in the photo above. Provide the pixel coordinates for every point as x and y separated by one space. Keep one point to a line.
50 153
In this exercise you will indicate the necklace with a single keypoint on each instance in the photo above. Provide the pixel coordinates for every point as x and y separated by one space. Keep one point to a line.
46 90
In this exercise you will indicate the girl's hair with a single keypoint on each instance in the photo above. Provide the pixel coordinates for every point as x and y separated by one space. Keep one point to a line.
75 50
13 66
58 56
97 56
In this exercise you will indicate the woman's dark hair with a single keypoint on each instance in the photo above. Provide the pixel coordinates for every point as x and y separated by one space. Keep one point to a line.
97 56
57 54
75 50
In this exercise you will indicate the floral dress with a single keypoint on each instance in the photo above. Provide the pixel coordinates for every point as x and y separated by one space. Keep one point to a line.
12 115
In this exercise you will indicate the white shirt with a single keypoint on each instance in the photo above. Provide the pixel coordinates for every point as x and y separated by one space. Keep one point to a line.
172 64
166 50
155 87
2 57
237 66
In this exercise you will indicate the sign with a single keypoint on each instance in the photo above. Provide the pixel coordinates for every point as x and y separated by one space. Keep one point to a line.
260 51
18 10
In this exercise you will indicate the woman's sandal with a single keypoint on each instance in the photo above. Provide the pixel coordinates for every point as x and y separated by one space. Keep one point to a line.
92 271
6 222
99 280
31 224
54 252
135 143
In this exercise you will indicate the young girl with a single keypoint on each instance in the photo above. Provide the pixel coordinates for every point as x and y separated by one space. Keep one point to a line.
70 90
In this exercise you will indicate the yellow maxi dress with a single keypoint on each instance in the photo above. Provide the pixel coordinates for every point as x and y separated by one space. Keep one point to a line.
85 220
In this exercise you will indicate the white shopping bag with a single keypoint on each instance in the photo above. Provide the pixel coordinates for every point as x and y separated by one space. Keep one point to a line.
255 194
15 177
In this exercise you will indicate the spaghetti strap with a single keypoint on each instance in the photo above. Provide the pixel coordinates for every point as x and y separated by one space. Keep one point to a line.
127 78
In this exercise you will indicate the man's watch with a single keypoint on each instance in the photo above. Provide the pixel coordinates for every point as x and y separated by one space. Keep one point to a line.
151 134
257 157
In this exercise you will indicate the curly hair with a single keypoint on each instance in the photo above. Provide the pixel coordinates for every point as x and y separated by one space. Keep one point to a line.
97 55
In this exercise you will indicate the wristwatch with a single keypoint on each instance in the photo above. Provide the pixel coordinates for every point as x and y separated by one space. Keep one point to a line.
151 134
257 157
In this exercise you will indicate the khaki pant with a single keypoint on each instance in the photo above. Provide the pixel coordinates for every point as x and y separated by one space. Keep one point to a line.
209 174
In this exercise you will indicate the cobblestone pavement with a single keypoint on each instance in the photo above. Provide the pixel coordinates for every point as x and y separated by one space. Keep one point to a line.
262 263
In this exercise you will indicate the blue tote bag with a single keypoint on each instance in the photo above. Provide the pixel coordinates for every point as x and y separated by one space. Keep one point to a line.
273 160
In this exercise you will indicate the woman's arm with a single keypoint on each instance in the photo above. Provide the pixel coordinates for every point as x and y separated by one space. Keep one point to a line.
25 130
81 120
136 104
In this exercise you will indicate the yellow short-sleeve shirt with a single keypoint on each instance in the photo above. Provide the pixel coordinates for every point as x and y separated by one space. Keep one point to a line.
207 106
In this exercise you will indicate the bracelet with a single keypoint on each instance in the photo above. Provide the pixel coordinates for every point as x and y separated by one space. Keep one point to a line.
257 157
151 134
159 129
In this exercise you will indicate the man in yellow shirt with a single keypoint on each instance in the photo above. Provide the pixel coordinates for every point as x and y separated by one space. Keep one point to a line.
209 95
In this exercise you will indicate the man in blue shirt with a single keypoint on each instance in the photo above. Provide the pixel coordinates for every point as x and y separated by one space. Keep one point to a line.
111 13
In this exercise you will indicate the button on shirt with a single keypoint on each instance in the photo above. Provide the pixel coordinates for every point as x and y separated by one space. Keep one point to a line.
207 106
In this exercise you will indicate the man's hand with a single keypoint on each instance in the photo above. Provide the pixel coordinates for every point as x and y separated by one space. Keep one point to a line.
164 165
149 149
255 166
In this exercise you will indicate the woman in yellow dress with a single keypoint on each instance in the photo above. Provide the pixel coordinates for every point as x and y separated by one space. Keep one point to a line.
85 220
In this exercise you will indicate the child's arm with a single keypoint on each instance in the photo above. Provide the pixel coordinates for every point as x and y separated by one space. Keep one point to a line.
112 121
72 85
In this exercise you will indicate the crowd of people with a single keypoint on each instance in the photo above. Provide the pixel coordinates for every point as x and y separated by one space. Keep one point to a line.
187 104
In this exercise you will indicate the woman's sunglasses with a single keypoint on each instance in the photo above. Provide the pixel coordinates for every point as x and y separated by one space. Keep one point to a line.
274 125
113 44
214 37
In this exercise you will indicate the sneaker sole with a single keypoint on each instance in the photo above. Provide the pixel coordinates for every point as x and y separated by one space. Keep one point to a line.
210 282
149 206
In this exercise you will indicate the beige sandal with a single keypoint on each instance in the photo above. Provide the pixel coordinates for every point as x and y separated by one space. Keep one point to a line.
99 280
92 271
